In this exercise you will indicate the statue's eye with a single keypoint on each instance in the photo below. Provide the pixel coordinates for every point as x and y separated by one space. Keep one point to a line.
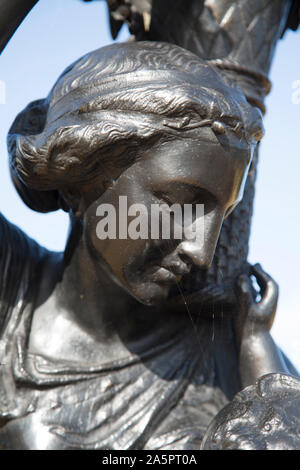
164 198
183 193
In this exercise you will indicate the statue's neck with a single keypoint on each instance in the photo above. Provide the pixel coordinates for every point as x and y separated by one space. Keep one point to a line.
95 300
91 319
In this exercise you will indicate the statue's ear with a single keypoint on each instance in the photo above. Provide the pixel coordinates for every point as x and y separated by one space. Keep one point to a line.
30 122
70 199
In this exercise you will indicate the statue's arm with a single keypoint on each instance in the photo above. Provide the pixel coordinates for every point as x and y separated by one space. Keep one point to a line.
4 247
21 259
8 271
258 354
13 251
265 414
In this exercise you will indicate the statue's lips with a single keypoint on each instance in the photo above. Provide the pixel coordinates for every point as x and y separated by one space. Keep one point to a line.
164 276
168 274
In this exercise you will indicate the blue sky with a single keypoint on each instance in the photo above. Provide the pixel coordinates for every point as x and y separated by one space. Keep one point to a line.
56 33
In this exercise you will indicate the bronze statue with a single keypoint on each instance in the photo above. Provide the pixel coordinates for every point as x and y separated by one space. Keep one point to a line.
122 343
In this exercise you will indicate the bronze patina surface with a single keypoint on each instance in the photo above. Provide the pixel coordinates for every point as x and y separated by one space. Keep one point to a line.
146 343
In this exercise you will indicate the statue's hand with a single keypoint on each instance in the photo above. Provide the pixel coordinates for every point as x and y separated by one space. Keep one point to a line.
255 316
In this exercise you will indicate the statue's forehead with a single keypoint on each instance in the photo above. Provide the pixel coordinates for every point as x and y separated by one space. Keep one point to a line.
200 144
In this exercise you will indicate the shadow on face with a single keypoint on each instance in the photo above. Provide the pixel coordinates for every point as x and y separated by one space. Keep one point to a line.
184 174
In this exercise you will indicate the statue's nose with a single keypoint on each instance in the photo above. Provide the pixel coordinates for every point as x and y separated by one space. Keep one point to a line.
200 250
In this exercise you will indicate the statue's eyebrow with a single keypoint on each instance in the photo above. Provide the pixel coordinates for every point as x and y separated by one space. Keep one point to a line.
198 191
183 185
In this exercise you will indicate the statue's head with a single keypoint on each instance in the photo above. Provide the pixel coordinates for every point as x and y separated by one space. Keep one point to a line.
263 416
149 121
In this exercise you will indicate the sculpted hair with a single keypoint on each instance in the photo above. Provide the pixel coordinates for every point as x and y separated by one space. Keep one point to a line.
111 103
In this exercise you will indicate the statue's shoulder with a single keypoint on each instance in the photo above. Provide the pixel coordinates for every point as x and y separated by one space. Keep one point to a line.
21 265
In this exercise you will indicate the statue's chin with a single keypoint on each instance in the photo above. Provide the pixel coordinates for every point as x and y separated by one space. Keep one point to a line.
151 294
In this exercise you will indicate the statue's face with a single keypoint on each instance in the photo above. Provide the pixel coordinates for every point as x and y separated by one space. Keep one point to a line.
183 171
